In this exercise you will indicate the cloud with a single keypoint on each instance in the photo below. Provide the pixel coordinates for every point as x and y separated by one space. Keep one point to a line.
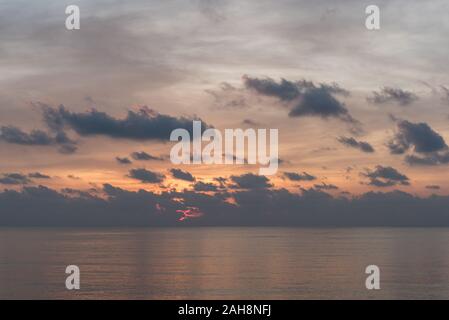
143 156
116 207
324 186
205 187
396 95
123 160
429 159
293 176
420 136
249 122
182 175
251 181
321 103
425 146
146 176
433 187
284 90
445 93
228 97
38 175
304 97
353 143
221 181
14 179
386 177
14 135
143 124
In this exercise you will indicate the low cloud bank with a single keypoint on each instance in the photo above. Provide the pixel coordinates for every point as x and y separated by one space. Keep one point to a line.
41 206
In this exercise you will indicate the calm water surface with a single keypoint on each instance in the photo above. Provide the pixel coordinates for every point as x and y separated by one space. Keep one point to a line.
224 263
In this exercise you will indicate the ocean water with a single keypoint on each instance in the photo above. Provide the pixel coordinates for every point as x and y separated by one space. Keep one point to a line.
224 263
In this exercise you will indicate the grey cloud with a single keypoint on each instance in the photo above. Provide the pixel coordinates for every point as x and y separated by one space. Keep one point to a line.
353 143
123 160
14 135
143 156
389 94
221 181
14 179
420 136
41 206
182 175
433 159
251 181
324 186
320 102
304 97
38 175
144 124
433 187
205 187
293 176
386 177
285 90
427 147
146 176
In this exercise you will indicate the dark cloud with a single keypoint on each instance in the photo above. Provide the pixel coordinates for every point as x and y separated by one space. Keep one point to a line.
396 95
425 146
14 179
320 102
304 97
433 187
143 156
324 186
38 175
221 181
123 160
353 143
205 187
14 135
182 175
293 176
146 176
251 181
284 90
386 177
41 206
143 124
433 159
418 136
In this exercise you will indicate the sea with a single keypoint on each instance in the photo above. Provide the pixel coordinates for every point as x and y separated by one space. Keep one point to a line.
224 263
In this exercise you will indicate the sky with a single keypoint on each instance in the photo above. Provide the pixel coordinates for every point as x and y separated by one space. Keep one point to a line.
86 115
